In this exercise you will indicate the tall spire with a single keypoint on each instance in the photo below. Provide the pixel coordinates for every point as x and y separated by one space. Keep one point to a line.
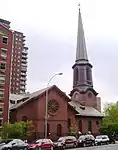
81 52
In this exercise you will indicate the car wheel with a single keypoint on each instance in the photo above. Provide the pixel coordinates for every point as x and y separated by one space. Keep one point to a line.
84 144
75 145
64 146
39 148
92 144
25 148
51 148
100 143
9 148
107 143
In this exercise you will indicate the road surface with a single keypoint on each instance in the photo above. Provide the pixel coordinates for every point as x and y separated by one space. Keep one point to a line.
102 147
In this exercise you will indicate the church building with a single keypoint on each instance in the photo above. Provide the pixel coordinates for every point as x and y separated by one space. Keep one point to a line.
80 111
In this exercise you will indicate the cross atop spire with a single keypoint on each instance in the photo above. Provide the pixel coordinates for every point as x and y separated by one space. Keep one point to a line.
81 52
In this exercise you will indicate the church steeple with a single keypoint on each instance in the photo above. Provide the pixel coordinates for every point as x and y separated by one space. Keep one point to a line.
82 69
81 52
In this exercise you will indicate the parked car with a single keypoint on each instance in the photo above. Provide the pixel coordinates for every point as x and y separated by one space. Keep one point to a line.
13 144
66 142
86 140
101 139
41 144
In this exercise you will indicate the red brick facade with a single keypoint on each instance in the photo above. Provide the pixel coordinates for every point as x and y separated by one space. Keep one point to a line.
5 67
35 111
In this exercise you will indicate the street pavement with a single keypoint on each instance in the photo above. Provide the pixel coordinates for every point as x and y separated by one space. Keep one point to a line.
102 147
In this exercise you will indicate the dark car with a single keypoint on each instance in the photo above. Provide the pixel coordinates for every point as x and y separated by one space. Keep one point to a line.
66 142
13 144
86 140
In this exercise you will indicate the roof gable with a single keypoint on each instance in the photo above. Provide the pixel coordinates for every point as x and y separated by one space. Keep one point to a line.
36 94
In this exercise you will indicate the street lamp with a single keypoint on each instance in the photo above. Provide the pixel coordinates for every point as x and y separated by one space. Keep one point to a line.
46 104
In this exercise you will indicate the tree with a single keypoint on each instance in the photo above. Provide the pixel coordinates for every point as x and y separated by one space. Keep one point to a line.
73 129
16 130
111 114
110 120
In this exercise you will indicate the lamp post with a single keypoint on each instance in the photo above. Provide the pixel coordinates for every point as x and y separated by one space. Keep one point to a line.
46 104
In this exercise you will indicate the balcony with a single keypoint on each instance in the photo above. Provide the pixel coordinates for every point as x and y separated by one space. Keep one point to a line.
24 51
24 60
23 74
23 78
24 69
22 88
24 65
23 83
24 56
1 114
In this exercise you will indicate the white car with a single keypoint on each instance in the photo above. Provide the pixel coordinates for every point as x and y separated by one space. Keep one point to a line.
101 139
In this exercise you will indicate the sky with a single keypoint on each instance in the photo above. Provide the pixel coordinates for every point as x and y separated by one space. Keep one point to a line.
50 27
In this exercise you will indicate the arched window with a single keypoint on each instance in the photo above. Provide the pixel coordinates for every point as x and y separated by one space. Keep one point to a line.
24 118
59 130
88 74
48 129
89 125
80 125
76 75
69 124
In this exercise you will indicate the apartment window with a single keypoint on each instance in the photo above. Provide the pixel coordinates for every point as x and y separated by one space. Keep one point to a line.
1 108
0 122
4 53
1 93
5 40
2 79
16 34
2 66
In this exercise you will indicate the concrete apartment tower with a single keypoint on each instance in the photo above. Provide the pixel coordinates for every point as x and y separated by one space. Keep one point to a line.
19 64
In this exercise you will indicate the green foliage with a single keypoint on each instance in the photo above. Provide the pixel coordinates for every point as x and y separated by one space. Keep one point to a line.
111 114
72 130
110 120
109 129
16 130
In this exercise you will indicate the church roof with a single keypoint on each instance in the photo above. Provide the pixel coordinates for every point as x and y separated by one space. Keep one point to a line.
28 97
85 110
81 52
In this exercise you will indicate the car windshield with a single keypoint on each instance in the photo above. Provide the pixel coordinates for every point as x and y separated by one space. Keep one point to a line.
61 139
98 137
37 141
6 141
81 137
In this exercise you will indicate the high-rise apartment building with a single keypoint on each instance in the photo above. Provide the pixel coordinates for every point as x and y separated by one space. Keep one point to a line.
5 67
19 64
13 66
